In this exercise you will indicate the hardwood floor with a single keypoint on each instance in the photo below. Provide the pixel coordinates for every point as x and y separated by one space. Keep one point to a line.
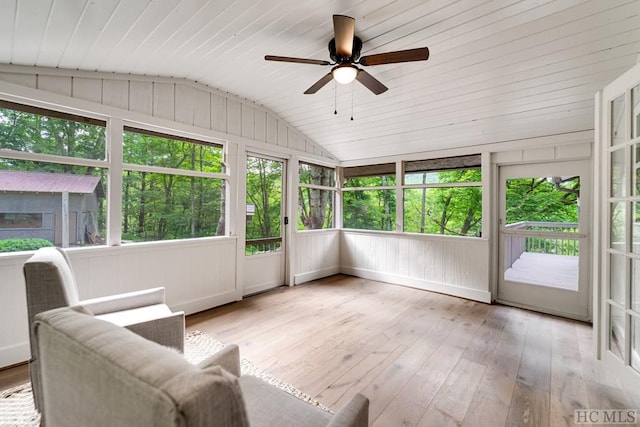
423 359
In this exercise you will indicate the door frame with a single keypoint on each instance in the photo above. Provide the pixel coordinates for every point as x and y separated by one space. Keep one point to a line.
584 303
283 254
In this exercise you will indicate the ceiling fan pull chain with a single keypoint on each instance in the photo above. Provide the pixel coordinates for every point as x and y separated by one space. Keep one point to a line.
351 102
335 98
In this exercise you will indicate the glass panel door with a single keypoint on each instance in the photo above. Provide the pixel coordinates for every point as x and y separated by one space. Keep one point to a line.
265 224
543 238
619 327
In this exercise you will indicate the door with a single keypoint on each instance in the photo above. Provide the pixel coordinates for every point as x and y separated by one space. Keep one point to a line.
544 245
265 224
619 295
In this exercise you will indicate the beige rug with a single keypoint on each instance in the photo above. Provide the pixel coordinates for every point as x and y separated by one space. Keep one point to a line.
16 404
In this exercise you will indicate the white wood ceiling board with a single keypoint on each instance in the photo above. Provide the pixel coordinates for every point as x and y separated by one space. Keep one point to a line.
31 17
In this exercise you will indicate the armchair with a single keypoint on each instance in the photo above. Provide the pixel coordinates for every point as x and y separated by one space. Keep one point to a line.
94 373
50 283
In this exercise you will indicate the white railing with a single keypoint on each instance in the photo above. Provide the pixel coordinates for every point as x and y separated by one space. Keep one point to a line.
557 238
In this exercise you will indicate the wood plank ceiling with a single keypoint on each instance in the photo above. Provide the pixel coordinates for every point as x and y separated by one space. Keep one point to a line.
499 69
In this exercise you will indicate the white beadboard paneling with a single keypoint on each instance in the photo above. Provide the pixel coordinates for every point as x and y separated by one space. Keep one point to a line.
260 128
56 84
14 335
234 117
317 254
457 266
218 113
272 129
88 89
164 100
141 97
115 93
248 121
27 80
282 134
202 109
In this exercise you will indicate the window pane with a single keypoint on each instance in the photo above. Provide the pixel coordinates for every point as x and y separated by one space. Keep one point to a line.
617 120
315 209
635 343
618 184
264 205
455 211
37 196
371 181
616 331
635 285
317 175
618 232
36 133
369 209
617 277
435 177
165 151
635 102
164 207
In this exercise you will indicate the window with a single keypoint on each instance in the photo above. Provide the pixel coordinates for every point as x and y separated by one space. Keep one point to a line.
173 187
53 175
20 220
316 195
369 197
443 196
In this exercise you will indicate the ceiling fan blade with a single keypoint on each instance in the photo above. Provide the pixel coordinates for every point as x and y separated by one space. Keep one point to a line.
344 29
371 82
409 55
296 60
319 84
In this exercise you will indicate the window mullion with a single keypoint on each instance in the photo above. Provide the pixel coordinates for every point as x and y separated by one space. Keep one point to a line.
115 128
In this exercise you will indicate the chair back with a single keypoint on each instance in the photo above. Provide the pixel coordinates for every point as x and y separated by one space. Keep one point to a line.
50 284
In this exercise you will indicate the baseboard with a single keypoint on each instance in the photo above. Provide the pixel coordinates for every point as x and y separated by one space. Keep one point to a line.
14 354
458 291
201 304
315 275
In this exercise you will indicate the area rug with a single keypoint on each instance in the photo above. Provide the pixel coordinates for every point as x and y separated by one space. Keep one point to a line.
16 404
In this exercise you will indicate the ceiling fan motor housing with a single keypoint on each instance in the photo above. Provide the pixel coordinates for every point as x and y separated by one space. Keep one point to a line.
355 52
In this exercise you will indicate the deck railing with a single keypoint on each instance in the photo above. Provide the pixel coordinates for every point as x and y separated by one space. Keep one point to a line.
555 238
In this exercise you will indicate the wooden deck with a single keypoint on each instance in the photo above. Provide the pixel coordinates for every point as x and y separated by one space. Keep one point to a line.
423 359
557 271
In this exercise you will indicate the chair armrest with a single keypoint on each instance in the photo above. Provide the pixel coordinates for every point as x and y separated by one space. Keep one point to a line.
125 301
167 330
228 359
353 414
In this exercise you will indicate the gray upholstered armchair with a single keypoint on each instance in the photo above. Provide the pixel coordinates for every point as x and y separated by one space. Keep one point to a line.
50 284
95 374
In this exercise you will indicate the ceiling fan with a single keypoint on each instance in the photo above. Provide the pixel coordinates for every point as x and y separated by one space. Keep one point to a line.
344 51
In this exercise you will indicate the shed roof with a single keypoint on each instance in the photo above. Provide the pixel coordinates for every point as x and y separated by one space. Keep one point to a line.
38 182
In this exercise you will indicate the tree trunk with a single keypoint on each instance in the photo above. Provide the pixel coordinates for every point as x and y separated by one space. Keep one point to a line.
141 212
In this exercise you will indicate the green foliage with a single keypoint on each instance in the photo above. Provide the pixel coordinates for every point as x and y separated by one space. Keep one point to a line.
373 209
264 192
538 199
15 245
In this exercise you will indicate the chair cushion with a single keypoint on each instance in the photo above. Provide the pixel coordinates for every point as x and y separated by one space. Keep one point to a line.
269 406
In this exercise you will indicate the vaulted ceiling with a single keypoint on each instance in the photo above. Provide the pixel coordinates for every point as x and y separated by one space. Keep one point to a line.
498 70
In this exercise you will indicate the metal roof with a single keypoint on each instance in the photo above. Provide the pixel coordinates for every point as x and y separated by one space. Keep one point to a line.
38 182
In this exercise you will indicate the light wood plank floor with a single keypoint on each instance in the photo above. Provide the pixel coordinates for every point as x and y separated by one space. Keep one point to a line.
423 359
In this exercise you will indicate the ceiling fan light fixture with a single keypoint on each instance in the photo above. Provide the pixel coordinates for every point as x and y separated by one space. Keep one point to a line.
344 73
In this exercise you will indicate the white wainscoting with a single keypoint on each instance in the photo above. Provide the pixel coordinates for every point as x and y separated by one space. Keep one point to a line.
317 255
452 265
197 274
